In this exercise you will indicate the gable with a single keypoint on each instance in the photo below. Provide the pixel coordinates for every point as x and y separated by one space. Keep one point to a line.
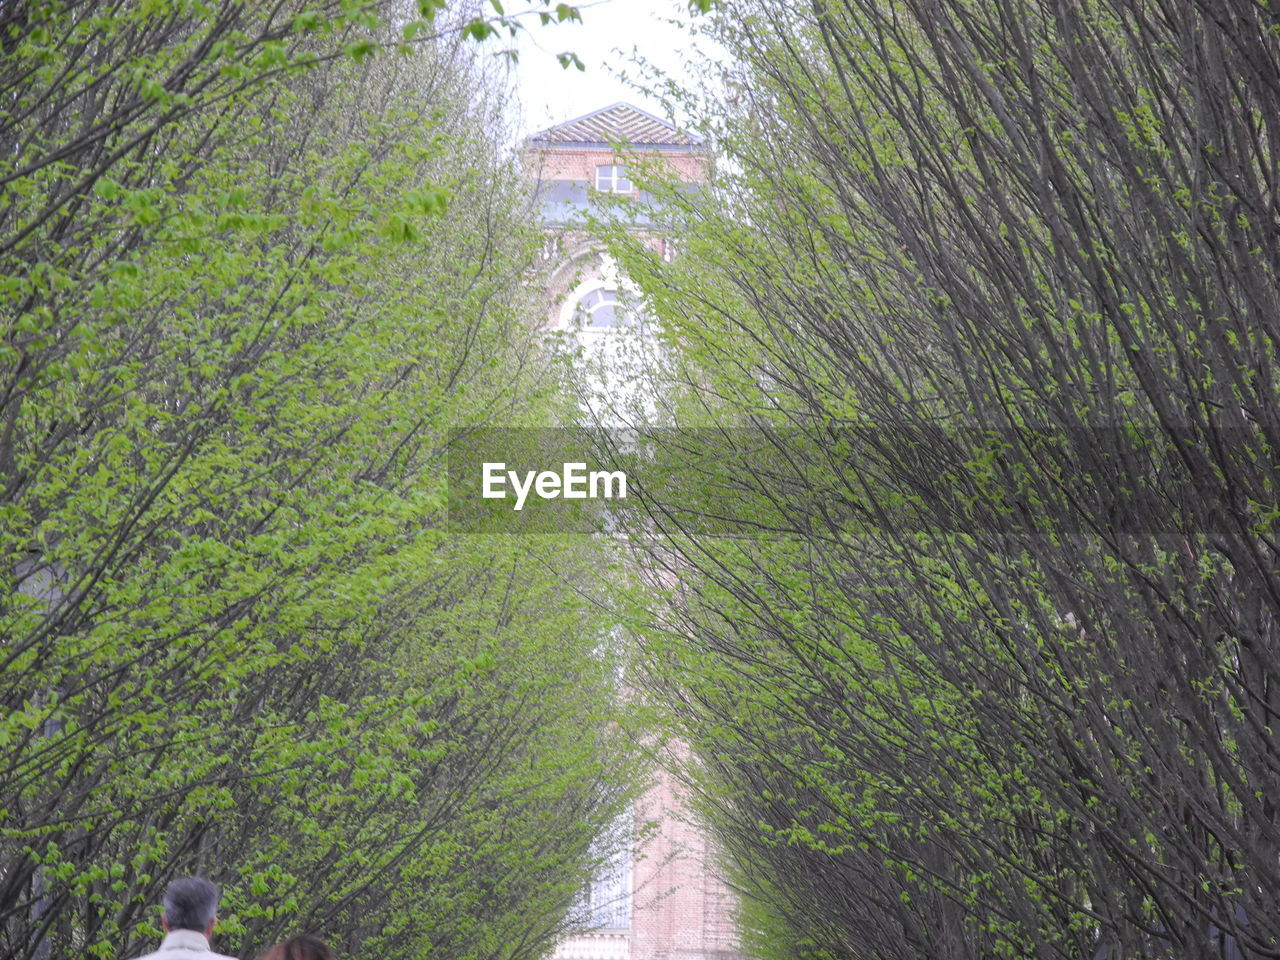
619 122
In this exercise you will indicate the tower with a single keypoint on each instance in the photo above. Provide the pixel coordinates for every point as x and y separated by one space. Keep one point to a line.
669 902
578 164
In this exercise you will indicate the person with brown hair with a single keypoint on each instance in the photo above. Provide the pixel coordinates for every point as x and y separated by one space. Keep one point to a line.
302 947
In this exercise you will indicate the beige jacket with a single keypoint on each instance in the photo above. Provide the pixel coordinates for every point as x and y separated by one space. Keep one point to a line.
185 945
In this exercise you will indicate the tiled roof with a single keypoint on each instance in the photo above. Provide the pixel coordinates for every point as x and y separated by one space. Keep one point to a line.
622 122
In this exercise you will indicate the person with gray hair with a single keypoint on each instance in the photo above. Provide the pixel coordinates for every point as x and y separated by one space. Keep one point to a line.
190 911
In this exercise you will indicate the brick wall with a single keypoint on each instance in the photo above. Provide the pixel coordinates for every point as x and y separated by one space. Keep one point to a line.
682 909
580 164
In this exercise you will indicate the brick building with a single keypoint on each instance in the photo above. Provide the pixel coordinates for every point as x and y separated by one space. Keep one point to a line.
665 900
577 164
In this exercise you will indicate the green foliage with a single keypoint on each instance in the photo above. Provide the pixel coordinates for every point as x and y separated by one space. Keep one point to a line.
253 274
987 668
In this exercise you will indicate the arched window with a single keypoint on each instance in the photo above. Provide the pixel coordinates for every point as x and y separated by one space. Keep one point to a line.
615 347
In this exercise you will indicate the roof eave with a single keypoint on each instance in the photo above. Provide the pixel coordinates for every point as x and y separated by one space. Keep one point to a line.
617 147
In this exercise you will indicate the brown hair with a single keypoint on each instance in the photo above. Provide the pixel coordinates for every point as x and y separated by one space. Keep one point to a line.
302 947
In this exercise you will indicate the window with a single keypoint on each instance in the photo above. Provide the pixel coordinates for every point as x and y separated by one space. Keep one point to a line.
605 903
599 309
612 178
616 346
608 897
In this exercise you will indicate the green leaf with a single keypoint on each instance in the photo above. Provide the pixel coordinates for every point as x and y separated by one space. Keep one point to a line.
360 50
478 30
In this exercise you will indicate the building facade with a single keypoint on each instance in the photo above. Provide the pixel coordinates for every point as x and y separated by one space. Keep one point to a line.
663 898
578 164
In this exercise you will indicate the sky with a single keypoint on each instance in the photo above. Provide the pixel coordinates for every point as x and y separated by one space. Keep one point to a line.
609 38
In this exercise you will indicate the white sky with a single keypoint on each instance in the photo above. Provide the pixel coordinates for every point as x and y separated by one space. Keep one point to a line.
613 33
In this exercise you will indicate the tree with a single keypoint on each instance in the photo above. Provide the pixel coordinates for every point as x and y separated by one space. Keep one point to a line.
981 308
257 262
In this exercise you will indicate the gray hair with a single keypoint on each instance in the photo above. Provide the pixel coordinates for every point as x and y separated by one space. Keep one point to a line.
190 903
